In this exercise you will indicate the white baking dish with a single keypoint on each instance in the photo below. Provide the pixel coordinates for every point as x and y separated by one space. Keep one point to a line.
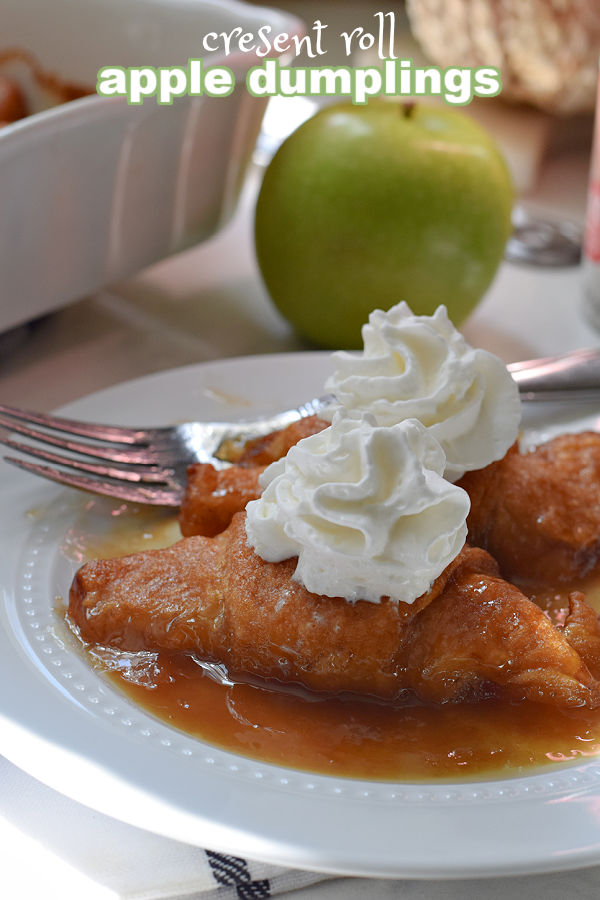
94 190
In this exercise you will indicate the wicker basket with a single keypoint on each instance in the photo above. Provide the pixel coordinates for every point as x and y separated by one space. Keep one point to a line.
547 50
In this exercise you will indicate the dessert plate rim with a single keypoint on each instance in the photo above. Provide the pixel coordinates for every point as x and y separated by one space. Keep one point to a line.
63 723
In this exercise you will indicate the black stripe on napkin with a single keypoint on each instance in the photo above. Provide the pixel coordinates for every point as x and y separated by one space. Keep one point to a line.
233 872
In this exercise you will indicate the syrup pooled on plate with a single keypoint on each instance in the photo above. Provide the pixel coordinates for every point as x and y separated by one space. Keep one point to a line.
358 738
342 736
349 571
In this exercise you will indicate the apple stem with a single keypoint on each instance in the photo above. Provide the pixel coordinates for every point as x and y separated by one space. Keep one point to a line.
408 109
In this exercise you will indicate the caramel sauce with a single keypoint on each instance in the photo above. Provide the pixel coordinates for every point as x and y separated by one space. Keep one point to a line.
346 736
358 738
59 89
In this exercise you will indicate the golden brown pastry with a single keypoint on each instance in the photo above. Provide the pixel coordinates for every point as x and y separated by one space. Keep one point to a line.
471 635
264 450
12 101
538 513
212 496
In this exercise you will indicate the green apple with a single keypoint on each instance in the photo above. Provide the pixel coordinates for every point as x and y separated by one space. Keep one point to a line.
362 207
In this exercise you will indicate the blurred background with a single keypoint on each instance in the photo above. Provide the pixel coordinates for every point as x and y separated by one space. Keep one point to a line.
209 301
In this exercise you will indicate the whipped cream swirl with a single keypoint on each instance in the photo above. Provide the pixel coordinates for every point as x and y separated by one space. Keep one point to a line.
364 507
421 367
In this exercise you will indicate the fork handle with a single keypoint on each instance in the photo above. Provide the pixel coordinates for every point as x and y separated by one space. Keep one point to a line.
573 376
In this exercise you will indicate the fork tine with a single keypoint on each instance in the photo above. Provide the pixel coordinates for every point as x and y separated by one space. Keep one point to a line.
152 496
113 433
137 474
130 455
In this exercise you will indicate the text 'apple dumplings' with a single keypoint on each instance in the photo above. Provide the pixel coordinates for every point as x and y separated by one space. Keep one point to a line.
421 367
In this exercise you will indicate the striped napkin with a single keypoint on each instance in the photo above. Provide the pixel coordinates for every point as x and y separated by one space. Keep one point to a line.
55 848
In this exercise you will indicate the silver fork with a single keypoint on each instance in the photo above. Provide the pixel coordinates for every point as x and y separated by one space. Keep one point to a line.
148 465
138 465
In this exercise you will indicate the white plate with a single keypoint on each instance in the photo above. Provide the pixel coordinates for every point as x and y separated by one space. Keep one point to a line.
62 723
